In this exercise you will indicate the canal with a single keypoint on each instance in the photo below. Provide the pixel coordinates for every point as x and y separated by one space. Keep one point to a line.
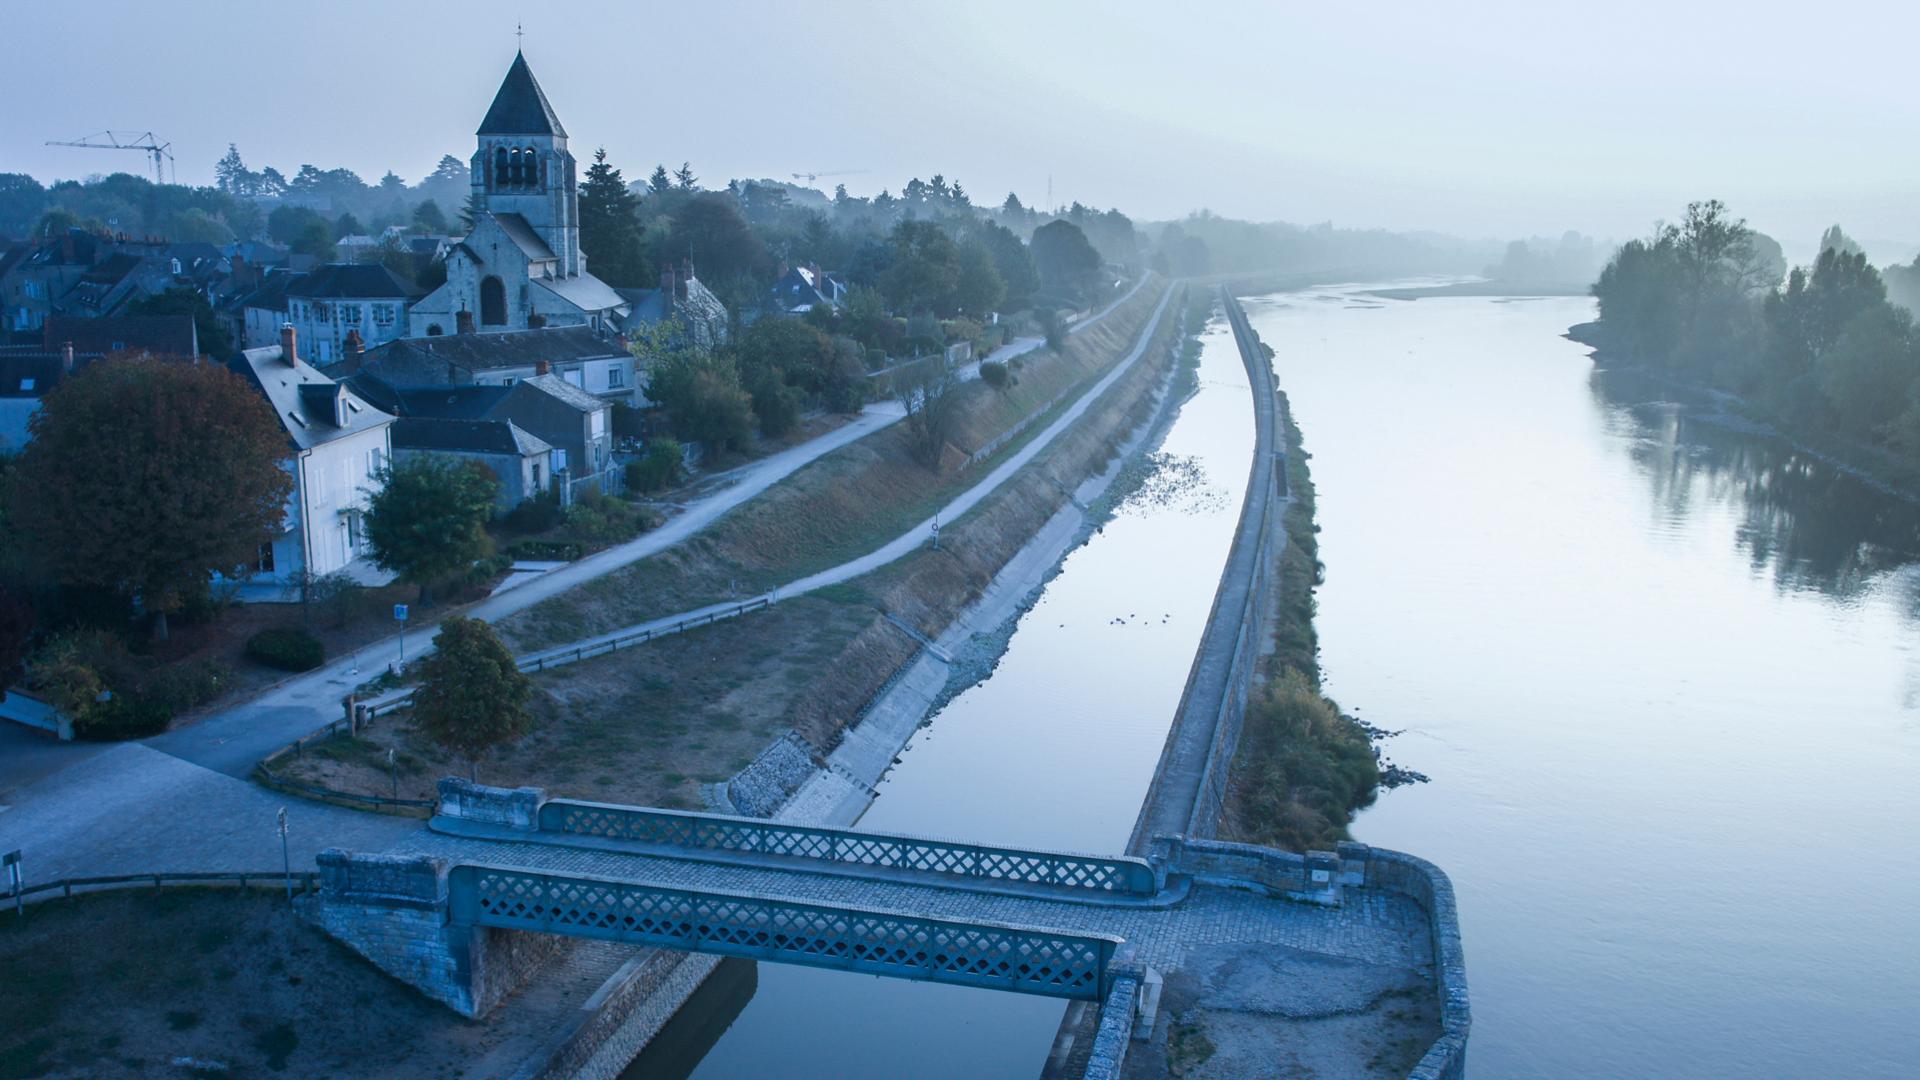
1054 750
1661 670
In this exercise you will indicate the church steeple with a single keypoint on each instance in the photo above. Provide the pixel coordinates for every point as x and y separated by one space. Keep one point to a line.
522 168
520 108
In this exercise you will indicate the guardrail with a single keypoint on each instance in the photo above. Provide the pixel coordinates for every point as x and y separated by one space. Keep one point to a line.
1114 875
552 658
306 880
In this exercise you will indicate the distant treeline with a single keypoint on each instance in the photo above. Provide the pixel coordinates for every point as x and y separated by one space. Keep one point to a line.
1205 243
1831 350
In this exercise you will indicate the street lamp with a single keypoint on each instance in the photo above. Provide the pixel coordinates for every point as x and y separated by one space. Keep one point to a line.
286 859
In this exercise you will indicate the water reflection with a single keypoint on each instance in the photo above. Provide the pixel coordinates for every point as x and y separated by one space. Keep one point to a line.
1802 523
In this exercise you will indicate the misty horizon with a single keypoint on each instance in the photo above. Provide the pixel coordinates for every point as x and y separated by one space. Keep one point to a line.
1513 129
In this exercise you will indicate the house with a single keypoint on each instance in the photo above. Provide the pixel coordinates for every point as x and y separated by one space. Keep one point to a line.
83 274
27 374
594 362
337 443
576 426
173 336
699 318
521 461
520 267
338 299
800 289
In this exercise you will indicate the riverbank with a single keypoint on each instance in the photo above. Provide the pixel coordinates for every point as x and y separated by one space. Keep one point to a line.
1870 465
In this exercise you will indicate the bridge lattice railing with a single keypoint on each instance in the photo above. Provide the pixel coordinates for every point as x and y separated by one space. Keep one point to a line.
1030 961
1109 875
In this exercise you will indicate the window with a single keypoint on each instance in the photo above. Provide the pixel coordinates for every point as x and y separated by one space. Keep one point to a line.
26 384
434 330
616 377
383 315
263 561
349 314
493 302
375 459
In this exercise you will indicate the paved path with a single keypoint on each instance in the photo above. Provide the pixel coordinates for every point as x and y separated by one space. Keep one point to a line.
915 538
53 796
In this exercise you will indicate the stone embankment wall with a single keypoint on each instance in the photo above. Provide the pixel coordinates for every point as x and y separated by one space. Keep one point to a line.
1184 801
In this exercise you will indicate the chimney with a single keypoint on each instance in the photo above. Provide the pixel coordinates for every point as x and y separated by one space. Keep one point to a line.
541 367
66 357
667 290
354 348
288 342
463 322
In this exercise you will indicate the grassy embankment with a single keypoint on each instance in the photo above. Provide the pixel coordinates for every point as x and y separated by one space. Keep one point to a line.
1303 768
119 984
650 724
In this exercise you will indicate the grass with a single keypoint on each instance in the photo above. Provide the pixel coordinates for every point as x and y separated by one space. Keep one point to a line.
1303 767
836 508
651 724
118 984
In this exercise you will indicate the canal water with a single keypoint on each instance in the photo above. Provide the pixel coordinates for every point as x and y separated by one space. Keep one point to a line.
1662 672
1054 750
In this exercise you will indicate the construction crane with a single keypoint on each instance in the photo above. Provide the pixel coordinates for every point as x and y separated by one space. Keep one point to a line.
810 177
147 142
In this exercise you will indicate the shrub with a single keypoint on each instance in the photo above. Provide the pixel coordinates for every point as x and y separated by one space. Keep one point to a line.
182 686
538 514
995 374
876 358
288 648
123 716
658 468
775 404
544 550
596 519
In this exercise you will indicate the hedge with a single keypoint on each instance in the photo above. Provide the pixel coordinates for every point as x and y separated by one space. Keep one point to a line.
287 648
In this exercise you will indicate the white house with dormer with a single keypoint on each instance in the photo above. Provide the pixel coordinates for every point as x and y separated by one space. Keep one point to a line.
337 445
520 267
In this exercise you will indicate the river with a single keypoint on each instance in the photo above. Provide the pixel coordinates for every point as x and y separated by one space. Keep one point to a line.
1054 750
1663 675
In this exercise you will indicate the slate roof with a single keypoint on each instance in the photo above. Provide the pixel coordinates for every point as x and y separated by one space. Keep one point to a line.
302 398
352 281
565 391
520 107
521 233
31 373
468 436
468 402
161 335
416 361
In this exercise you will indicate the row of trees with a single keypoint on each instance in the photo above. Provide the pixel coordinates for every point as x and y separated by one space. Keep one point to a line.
1825 349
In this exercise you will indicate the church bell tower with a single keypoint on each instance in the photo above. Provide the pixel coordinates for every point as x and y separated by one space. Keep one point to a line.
523 166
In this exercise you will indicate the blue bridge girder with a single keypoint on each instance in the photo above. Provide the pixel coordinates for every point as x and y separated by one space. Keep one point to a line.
1020 959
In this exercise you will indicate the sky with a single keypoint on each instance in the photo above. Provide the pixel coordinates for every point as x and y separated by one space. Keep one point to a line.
1487 120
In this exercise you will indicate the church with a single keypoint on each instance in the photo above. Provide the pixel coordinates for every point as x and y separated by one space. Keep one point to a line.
520 267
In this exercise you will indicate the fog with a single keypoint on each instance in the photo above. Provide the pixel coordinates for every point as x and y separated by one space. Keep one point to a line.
1520 119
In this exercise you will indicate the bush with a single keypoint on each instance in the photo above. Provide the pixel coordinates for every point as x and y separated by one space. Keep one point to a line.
182 686
288 648
658 468
995 374
535 515
544 550
876 358
124 716
596 519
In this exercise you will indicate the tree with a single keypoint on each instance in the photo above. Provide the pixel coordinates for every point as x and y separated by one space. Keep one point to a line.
428 218
709 229
22 200
1066 263
347 225
683 177
471 210
288 222
426 520
194 225
1867 372
231 175
930 392
924 269
979 289
1013 262
610 230
1836 239
703 395
149 476
472 698
215 341
659 183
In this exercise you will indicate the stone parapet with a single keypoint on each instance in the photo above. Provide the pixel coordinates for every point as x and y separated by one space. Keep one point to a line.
514 808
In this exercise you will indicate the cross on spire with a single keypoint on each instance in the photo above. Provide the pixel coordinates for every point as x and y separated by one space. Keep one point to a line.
519 35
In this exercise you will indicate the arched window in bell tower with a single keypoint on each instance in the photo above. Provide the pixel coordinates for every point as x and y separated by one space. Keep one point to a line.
499 166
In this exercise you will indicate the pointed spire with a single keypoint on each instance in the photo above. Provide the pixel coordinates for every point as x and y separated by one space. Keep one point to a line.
520 108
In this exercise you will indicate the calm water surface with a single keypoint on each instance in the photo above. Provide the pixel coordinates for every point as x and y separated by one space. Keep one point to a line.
1054 750
1663 676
